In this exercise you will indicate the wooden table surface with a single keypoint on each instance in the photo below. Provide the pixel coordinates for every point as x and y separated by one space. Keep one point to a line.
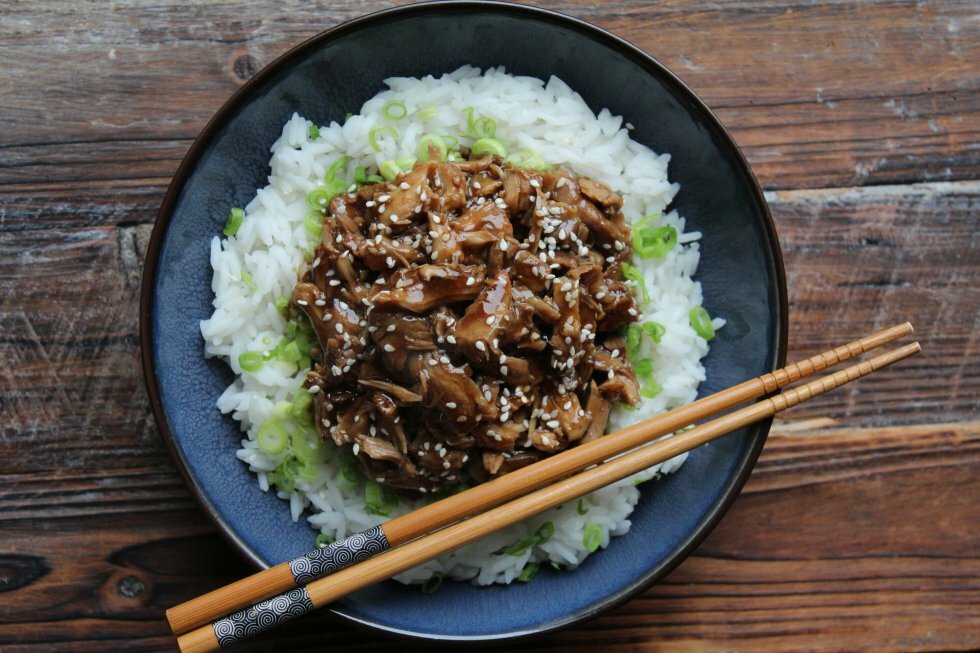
858 530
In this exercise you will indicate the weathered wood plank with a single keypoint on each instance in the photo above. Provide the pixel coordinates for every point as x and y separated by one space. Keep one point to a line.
776 572
819 95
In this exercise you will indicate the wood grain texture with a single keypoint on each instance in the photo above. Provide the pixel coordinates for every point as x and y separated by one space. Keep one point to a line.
857 531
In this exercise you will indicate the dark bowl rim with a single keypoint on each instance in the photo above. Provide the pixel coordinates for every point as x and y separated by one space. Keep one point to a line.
651 66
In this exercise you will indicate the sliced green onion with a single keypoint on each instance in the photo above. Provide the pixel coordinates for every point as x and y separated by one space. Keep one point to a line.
544 532
701 322
654 242
581 508
406 162
349 476
347 116
654 330
247 279
379 499
527 159
336 167
308 251
528 572
486 127
433 583
319 198
520 547
307 448
313 223
373 135
282 304
284 476
631 273
437 142
470 123
235 217
314 132
272 437
480 127
488 146
281 410
643 368
300 408
394 110
250 361
650 391
427 112
323 540
634 339
390 170
592 537
361 177
451 141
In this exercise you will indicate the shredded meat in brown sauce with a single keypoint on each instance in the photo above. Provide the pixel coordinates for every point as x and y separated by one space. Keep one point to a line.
467 315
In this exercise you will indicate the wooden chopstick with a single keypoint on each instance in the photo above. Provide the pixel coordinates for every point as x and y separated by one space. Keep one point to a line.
321 592
301 571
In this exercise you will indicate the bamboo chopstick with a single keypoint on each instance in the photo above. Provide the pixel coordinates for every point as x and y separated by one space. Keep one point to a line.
318 593
399 530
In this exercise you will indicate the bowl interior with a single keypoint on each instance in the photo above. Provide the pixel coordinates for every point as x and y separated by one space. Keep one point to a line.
335 73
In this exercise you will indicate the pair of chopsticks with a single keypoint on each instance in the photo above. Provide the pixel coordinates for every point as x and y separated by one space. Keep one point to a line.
325 575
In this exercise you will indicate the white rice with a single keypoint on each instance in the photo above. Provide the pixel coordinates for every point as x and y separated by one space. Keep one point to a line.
553 121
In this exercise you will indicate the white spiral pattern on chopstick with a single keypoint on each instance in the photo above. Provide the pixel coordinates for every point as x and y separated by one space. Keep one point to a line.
339 555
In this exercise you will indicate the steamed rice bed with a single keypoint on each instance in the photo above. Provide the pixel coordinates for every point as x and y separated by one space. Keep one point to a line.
263 260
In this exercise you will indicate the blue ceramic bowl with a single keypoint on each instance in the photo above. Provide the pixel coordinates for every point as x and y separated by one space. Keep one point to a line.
335 72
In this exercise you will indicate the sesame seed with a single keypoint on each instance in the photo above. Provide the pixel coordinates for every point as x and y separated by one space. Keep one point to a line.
314 389
369 203
339 327
480 345
357 447
389 348
450 404
444 360
333 282
384 198
552 424
335 370
470 281
451 340
433 362
490 320
461 418
404 185
503 370
561 182
391 328
503 245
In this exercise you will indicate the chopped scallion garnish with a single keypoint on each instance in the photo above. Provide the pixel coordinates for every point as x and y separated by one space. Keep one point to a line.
336 167
528 572
488 146
281 304
654 330
631 273
314 132
427 112
379 499
591 537
390 170
272 437
394 110
438 143
701 323
375 131
433 583
323 540
235 217
654 242
250 361
247 279
581 508
313 223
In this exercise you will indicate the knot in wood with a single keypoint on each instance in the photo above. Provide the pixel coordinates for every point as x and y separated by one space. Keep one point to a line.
131 587
245 67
